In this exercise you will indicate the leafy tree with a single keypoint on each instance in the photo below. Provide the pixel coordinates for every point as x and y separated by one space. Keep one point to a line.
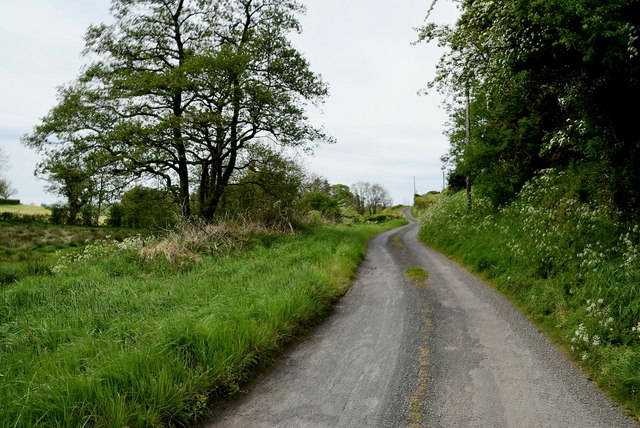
314 182
323 203
184 90
83 182
144 207
547 78
116 215
341 192
266 191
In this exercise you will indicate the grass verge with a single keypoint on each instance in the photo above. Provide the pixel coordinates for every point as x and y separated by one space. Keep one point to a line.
572 267
116 339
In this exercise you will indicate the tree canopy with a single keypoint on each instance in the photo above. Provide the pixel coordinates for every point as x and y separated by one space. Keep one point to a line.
550 83
184 92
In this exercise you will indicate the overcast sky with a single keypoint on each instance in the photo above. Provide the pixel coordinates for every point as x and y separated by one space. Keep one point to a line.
385 132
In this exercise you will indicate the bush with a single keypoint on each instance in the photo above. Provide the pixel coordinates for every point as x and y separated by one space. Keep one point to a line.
59 213
9 201
116 215
322 203
12 217
143 207
379 218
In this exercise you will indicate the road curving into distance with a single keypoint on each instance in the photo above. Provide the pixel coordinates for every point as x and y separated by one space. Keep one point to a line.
449 352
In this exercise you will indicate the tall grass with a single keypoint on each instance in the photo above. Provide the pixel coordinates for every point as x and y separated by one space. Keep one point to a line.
117 339
573 267
32 248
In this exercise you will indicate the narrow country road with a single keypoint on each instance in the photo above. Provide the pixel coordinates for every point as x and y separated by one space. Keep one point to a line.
448 353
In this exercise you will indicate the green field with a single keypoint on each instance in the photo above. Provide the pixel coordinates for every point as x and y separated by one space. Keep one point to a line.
24 209
144 333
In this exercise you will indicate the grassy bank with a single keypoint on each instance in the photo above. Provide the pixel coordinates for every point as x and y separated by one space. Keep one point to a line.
572 267
123 336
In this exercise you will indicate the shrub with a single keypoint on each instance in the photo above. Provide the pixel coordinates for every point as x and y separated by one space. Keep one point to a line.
59 213
321 202
116 215
12 217
9 201
143 207
379 218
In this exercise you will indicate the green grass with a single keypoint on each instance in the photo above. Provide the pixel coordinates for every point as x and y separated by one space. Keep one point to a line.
416 273
574 268
422 202
116 339
33 248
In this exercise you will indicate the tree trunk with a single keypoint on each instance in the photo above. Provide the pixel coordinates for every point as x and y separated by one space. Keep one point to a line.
183 175
183 167
73 211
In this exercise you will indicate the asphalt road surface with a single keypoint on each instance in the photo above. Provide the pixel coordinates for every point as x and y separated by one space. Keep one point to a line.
449 352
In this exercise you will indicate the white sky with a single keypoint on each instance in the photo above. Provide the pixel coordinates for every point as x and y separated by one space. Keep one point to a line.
385 132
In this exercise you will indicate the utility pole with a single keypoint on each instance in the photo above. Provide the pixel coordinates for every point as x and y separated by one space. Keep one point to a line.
468 142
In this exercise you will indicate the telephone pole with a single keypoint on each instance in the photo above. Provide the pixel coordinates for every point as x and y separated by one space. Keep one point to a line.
467 117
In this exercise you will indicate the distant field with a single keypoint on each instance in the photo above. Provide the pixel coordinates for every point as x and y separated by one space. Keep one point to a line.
35 210
24 209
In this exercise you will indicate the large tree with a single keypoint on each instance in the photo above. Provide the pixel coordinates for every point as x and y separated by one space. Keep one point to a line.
547 79
184 90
